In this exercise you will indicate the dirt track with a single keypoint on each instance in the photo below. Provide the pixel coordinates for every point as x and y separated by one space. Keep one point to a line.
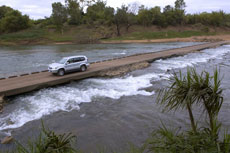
27 83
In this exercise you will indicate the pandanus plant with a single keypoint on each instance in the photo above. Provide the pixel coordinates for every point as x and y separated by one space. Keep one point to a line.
207 91
179 95
194 88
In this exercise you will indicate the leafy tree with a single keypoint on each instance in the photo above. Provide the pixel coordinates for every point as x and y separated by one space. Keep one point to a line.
156 13
217 18
179 11
169 15
163 21
145 16
43 22
59 15
204 18
180 5
120 18
109 15
74 12
4 10
96 11
175 16
168 8
132 12
99 13
131 20
190 19
14 21
179 16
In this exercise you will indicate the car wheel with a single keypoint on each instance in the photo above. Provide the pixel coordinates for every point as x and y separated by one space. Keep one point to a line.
61 72
83 68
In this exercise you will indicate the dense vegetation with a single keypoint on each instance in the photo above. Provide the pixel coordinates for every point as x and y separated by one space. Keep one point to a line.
12 20
47 142
204 91
102 22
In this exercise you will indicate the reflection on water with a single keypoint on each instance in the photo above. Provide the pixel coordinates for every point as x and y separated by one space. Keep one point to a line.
23 59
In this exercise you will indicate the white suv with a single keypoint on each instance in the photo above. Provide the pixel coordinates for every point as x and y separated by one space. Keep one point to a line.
69 64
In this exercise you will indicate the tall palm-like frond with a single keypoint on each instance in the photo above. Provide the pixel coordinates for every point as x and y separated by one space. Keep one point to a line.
179 95
202 89
207 91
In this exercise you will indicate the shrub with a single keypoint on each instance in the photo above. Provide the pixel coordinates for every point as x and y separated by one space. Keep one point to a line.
48 142
184 91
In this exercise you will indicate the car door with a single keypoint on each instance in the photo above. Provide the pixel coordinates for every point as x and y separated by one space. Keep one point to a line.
69 65
77 63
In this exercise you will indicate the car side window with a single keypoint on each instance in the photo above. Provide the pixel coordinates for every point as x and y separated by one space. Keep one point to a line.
79 59
70 61
82 58
75 60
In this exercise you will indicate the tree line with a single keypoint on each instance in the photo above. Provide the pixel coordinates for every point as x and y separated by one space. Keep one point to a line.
12 20
96 12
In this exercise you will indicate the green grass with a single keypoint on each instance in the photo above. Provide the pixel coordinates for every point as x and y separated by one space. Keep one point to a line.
44 36
160 35
59 38
32 34
83 34
35 35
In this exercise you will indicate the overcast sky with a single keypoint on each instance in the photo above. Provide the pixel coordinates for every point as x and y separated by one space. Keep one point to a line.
41 8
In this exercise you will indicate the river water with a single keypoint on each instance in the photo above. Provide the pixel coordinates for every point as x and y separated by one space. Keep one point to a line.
24 59
109 113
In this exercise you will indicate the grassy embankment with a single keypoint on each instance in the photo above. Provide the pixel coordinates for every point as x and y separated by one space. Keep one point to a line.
161 35
47 36
84 34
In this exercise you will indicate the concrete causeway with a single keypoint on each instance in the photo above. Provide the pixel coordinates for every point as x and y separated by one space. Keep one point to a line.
15 85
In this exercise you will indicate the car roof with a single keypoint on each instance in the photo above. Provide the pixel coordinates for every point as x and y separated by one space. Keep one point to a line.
75 56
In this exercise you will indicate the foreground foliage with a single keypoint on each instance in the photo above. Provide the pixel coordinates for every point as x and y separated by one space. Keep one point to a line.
202 90
49 142
175 141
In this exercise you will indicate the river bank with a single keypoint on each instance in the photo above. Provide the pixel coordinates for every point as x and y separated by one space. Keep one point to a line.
188 39
92 35
214 38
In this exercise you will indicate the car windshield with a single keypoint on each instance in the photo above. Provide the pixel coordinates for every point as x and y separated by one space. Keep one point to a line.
62 61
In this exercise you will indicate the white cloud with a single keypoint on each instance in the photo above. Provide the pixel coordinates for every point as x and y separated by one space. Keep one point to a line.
34 8
40 8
